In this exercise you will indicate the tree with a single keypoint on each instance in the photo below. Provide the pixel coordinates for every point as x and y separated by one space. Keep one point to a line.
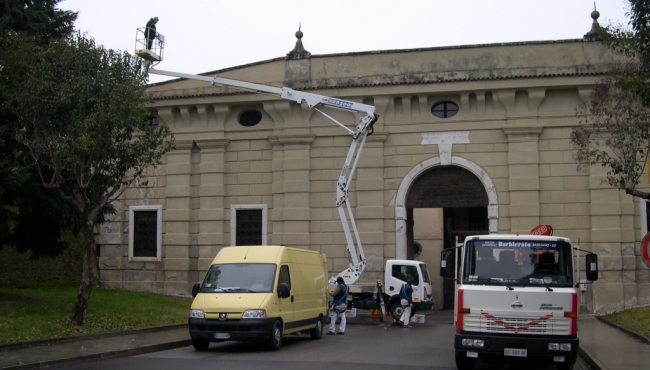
81 119
615 128
615 133
36 17
633 43
24 203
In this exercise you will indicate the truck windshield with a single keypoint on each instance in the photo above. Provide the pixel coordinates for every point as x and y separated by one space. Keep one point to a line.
239 277
518 263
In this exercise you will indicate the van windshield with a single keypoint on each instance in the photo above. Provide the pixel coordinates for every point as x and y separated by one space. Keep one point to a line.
239 277
518 263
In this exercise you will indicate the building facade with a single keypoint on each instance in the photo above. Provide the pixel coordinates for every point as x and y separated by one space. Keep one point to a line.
470 139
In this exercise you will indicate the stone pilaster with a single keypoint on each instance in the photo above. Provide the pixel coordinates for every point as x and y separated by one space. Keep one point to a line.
277 192
293 170
176 257
211 218
112 248
523 176
611 291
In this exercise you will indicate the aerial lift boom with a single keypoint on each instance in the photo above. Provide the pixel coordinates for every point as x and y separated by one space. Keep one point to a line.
363 129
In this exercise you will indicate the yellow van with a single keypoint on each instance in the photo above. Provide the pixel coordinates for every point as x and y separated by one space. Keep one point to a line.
260 293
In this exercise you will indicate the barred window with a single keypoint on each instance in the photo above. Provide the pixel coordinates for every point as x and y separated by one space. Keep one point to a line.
248 224
249 227
145 233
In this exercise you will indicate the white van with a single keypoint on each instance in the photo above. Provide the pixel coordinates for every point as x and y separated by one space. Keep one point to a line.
260 293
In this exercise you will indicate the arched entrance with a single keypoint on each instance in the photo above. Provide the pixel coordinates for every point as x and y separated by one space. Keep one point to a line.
460 197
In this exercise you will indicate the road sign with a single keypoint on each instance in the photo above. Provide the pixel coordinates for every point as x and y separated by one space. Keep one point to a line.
645 253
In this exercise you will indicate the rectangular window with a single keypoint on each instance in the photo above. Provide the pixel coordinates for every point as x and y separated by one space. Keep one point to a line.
249 227
248 224
145 233
404 272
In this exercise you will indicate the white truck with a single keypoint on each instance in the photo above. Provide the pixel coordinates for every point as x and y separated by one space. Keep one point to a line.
516 298
385 295
396 271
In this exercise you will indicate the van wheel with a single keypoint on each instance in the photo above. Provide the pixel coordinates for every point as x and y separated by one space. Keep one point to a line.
463 362
317 332
396 310
200 345
565 366
276 336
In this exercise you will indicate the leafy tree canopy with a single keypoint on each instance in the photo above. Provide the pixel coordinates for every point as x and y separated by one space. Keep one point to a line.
615 124
82 125
25 28
614 133
634 43
36 17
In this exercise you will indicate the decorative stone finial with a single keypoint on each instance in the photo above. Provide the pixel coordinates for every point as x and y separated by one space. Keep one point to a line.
299 32
592 35
298 51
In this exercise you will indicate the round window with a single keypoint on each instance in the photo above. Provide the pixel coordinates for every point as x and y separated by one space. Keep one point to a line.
250 118
444 109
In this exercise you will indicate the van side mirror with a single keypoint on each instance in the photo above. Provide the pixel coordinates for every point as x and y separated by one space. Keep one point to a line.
195 289
447 263
283 290
591 268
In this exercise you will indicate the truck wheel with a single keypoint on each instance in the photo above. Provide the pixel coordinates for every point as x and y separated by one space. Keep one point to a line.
275 341
317 332
565 366
463 362
396 311
200 345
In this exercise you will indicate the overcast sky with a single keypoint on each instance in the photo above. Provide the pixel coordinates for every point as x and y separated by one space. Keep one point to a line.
208 35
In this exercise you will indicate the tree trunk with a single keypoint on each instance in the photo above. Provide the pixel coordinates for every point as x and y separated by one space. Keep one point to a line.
87 276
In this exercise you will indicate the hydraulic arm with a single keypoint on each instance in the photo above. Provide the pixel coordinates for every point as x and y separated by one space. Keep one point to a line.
363 129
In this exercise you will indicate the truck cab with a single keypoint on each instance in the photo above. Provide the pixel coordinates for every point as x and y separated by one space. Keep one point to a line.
516 298
395 275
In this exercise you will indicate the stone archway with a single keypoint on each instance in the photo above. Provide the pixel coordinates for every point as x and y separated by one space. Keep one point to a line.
411 177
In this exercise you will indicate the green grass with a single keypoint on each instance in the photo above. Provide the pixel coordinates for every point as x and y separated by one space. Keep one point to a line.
636 320
31 314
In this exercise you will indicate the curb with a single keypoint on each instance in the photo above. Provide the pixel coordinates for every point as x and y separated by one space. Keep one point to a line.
101 356
591 360
636 335
44 342
79 360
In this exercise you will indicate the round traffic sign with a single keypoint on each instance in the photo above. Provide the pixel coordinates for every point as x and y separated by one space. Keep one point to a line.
645 254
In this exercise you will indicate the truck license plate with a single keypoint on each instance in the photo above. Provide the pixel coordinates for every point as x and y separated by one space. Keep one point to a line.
515 352
221 335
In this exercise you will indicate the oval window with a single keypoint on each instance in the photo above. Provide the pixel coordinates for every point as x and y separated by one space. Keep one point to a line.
250 118
444 109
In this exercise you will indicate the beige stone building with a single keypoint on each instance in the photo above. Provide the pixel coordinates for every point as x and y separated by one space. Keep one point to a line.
470 139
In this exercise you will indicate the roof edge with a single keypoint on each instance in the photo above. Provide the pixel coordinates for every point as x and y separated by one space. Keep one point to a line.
371 52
